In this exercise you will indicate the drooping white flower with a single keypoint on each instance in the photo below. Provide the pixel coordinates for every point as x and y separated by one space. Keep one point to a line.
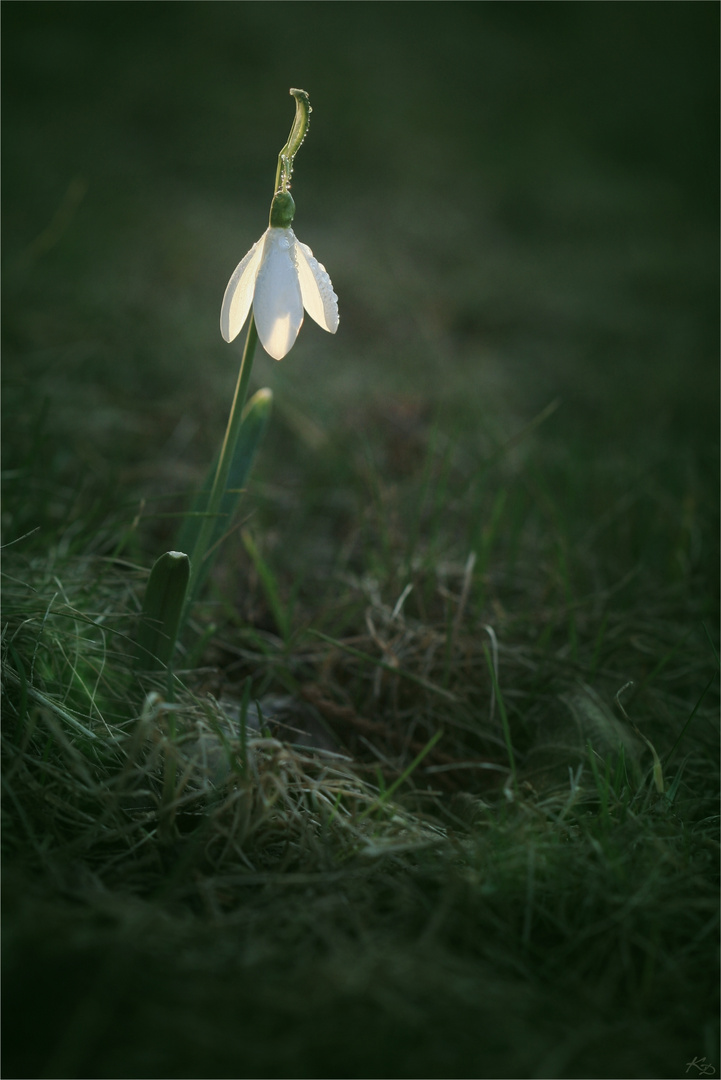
279 276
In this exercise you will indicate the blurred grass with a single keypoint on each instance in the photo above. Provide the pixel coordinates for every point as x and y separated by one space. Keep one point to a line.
518 206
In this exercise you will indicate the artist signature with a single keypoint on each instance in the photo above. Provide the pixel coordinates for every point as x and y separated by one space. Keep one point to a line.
703 1068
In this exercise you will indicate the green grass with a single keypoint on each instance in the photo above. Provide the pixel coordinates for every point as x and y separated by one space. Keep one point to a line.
434 791
524 871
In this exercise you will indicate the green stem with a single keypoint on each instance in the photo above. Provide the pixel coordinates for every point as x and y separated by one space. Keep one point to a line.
226 456
297 134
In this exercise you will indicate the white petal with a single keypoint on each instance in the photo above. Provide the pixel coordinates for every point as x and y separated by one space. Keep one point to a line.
278 305
319 300
239 292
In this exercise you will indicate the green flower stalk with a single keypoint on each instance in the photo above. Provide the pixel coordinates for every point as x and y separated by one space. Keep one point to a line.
298 132
278 278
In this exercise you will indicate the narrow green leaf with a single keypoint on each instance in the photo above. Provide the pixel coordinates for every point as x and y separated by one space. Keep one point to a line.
270 588
255 418
502 711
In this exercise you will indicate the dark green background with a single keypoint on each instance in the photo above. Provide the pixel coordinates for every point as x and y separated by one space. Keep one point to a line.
515 202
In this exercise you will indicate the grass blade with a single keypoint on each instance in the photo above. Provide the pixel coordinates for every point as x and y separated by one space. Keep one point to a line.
388 793
270 587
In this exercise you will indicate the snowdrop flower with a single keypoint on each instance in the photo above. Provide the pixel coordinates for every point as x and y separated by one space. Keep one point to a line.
279 276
